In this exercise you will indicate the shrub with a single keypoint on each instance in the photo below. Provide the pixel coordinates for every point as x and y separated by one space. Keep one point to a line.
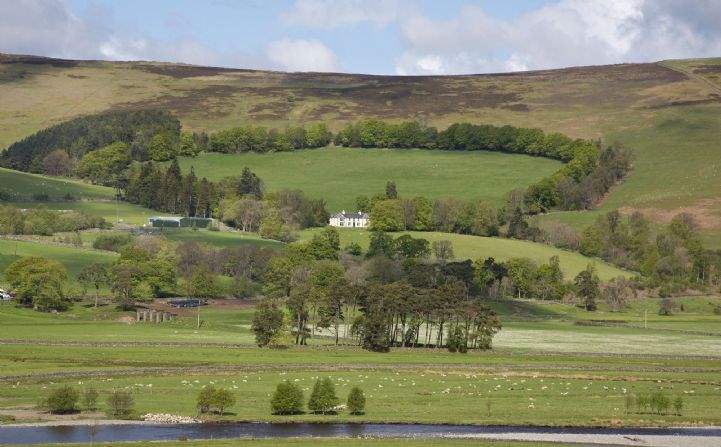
287 399
323 399
215 398
457 341
90 399
120 404
205 399
111 242
356 401
63 400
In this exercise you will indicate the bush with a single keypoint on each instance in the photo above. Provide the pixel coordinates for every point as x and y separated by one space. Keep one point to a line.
356 401
112 242
323 399
287 399
120 404
90 399
215 398
457 341
63 400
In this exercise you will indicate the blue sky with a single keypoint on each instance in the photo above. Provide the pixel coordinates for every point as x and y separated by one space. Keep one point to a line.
368 36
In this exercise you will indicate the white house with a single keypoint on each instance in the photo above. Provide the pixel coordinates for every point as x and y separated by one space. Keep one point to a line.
349 220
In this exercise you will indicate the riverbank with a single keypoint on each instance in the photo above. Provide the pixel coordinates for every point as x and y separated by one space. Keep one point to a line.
140 431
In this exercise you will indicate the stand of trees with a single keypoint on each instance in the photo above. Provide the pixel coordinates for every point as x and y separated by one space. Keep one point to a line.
588 173
261 139
79 136
671 258
44 222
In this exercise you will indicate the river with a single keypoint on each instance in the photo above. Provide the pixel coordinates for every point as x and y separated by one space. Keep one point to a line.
33 434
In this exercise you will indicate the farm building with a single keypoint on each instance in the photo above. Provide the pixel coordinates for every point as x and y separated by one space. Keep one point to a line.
179 222
349 220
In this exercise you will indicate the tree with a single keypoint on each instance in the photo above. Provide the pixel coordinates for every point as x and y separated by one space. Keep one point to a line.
90 399
57 163
63 400
323 399
38 283
391 191
380 244
387 215
211 397
356 401
223 399
268 321
203 283
325 245
443 250
103 166
678 405
287 399
408 247
587 284
162 147
95 275
120 404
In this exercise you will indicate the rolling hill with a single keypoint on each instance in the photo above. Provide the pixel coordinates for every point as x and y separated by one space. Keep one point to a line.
668 112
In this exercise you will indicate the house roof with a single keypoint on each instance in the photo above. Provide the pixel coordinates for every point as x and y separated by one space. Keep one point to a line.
345 215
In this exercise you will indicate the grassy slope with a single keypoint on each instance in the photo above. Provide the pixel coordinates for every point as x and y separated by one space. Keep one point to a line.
74 259
26 185
476 247
339 175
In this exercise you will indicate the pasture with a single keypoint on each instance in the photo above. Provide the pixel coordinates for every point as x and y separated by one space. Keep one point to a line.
74 259
22 186
339 175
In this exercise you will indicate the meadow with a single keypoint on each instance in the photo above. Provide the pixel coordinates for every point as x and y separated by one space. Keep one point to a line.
339 175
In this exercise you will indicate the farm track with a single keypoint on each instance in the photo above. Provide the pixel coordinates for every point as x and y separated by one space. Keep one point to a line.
147 344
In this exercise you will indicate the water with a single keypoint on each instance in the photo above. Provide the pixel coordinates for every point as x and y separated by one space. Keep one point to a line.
157 432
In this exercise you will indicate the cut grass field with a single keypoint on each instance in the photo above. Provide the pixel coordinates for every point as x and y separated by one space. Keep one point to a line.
476 247
339 175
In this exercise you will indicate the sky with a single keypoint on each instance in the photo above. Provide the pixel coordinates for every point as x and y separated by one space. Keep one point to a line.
404 37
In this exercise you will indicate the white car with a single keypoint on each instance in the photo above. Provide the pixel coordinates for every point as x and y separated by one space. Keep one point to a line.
5 296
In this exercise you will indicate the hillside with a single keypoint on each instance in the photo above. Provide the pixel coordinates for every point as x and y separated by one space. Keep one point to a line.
667 112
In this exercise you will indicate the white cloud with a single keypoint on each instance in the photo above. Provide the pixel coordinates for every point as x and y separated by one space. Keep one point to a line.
333 13
302 55
566 33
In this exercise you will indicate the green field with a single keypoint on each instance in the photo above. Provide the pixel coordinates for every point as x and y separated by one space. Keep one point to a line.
571 374
339 175
26 185
74 259
220 239
477 247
